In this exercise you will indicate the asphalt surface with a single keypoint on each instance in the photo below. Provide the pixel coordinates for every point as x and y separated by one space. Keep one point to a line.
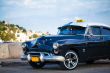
98 67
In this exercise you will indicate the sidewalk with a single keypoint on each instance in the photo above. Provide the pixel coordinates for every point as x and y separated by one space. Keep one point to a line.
12 62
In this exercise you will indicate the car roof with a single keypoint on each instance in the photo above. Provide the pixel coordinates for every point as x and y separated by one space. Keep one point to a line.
85 24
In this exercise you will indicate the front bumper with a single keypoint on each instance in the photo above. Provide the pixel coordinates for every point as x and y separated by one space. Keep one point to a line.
23 57
45 57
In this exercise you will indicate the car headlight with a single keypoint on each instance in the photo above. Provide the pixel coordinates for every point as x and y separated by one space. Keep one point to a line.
23 45
55 45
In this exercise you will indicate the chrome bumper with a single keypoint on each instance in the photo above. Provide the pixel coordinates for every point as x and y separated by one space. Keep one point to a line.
46 57
23 57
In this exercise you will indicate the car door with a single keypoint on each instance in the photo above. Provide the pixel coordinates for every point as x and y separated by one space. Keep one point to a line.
94 42
106 38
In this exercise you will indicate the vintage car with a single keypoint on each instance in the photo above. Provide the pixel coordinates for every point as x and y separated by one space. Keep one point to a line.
75 43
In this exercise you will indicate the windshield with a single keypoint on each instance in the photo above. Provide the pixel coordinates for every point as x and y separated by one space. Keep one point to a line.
71 30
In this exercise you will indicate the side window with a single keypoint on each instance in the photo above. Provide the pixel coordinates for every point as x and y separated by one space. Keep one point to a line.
105 31
95 30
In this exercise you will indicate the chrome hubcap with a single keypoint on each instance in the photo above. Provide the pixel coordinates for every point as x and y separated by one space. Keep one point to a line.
71 60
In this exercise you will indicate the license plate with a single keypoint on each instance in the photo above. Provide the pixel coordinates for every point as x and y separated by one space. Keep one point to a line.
35 59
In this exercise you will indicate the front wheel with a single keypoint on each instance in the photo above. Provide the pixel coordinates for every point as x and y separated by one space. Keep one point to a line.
71 60
36 65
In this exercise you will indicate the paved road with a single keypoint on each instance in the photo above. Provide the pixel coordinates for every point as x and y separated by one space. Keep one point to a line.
99 67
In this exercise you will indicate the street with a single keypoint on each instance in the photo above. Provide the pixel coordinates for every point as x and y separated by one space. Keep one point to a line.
98 67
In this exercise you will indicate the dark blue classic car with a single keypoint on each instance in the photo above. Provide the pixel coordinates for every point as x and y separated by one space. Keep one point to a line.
75 43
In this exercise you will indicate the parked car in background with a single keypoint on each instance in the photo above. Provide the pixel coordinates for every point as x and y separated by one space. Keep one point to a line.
75 43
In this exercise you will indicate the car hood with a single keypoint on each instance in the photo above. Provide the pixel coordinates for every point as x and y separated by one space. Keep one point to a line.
49 40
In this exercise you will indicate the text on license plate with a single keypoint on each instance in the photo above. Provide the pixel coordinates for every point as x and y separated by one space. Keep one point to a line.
35 59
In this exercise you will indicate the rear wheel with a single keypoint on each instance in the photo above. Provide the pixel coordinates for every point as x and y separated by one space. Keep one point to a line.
71 60
36 65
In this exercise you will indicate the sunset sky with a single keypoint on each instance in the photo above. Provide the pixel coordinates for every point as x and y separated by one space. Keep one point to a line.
47 15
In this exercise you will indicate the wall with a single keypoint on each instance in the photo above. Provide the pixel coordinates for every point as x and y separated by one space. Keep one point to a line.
10 50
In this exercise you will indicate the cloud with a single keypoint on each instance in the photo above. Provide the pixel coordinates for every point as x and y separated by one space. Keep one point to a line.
57 7
13 2
27 2
32 3
29 8
82 7
56 11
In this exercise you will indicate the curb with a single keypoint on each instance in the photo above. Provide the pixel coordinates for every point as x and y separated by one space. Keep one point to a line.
13 63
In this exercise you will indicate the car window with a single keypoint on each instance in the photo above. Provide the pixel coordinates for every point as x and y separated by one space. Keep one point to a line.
71 30
95 30
105 31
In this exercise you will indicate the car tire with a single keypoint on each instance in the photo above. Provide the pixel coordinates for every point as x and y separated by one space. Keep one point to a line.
36 65
71 60
90 62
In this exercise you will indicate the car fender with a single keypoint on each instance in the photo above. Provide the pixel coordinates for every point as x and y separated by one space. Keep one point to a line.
76 45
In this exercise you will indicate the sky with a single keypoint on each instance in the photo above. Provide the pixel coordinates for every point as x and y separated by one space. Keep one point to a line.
48 15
